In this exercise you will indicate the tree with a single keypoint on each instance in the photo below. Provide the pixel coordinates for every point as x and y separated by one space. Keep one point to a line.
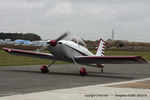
14 36
31 37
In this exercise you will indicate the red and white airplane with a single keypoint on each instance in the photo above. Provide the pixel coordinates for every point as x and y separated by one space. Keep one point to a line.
74 50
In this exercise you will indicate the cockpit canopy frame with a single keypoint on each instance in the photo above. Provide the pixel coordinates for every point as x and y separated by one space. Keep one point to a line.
78 41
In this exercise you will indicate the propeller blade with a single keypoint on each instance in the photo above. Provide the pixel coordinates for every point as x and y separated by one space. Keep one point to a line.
44 48
54 42
62 36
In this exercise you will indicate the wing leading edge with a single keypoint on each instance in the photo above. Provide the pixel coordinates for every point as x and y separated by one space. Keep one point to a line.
29 53
83 59
110 60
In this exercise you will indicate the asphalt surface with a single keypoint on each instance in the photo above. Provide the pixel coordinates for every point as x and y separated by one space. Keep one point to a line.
28 79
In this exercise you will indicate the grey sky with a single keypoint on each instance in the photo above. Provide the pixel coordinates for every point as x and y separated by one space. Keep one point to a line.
90 19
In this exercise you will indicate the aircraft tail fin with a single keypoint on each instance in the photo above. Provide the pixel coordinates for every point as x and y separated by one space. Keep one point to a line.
100 48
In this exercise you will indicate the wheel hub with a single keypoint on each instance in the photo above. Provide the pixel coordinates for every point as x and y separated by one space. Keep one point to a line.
83 71
44 69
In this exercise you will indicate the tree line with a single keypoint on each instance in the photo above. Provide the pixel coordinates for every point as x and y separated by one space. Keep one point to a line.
15 36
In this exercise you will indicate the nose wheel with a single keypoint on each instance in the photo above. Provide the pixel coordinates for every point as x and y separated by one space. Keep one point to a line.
83 72
44 69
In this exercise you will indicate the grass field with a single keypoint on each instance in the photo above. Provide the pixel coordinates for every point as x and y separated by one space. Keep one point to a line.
7 59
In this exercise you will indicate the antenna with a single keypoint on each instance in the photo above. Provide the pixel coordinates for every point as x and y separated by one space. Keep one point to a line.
112 34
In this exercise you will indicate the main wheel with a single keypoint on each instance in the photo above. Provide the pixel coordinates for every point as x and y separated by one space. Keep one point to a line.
44 69
83 72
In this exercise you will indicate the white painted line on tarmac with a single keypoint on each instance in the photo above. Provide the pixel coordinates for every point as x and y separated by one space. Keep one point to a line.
92 92
125 82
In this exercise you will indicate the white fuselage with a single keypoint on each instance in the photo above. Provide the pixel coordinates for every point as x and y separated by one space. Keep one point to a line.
67 50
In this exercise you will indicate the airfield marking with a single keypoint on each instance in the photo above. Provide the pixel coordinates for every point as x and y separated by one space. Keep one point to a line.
137 84
96 92
126 82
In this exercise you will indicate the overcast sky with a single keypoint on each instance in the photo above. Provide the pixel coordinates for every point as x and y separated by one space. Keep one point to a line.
89 19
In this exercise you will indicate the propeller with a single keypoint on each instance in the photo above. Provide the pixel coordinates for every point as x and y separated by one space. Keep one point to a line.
43 48
63 36
54 42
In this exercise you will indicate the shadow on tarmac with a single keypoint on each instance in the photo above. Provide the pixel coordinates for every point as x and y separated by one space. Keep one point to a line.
90 74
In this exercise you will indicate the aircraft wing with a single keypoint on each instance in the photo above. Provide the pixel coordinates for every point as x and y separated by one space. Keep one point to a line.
110 60
29 53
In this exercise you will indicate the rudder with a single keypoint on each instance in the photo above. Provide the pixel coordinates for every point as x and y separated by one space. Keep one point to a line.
100 48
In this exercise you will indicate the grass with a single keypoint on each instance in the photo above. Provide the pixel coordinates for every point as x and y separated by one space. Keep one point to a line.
7 59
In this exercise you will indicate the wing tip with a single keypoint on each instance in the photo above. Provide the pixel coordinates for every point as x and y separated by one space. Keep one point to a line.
6 49
141 60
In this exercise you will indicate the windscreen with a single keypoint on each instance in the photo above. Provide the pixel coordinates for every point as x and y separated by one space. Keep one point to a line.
78 41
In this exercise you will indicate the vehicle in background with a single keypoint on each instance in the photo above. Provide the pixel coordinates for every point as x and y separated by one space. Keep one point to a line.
2 42
19 42
38 43
27 42
8 41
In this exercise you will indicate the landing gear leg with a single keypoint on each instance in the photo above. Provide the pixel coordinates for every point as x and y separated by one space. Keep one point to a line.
102 70
101 66
44 69
82 70
51 63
